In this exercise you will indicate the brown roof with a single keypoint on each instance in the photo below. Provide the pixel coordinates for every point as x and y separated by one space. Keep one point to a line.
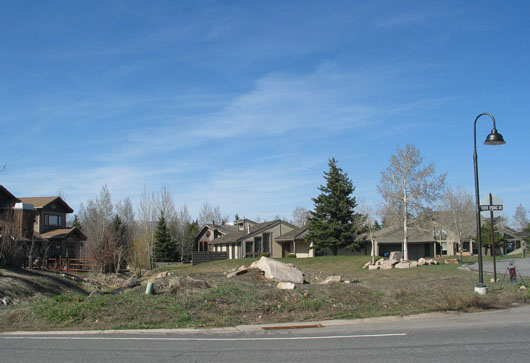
63 233
295 234
7 192
41 202
223 228
242 235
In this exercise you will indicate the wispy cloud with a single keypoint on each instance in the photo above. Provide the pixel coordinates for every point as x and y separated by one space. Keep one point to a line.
329 100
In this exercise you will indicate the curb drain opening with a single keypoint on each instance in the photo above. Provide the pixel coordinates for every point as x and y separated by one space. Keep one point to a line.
292 327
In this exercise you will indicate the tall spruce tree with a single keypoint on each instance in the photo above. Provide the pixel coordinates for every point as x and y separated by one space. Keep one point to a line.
163 248
333 224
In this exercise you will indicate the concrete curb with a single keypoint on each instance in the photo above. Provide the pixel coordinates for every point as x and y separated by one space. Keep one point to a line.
241 328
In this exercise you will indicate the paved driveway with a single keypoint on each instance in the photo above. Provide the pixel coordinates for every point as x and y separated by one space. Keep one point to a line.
522 265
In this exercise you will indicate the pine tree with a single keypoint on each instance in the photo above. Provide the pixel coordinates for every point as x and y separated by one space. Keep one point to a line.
76 222
334 224
163 248
485 233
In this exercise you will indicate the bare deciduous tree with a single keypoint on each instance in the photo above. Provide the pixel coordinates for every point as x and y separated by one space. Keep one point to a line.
369 222
408 188
184 219
300 215
209 215
520 218
459 214
96 218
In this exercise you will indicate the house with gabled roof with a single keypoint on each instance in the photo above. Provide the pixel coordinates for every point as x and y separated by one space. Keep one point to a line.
50 226
247 239
293 242
432 235
209 232
41 223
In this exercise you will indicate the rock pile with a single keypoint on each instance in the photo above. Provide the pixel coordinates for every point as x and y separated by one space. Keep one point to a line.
286 274
394 262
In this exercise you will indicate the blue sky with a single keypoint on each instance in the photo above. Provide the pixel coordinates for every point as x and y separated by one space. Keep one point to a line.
242 103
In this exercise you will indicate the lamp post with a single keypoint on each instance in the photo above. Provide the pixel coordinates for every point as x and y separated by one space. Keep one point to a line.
494 138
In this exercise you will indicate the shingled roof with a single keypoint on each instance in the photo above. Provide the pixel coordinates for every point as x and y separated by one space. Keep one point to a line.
223 228
41 202
63 233
296 234
239 236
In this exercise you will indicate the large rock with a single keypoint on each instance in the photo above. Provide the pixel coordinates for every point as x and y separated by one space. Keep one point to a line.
402 265
241 270
386 266
373 267
285 285
421 261
380 261
396 255
413 264
365 267
330 280
391 262
278 271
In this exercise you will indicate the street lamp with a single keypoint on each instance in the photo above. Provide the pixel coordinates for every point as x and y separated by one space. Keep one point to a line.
494 138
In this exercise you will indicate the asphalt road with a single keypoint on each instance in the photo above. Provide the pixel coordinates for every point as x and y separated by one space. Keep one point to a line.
493 336
522 265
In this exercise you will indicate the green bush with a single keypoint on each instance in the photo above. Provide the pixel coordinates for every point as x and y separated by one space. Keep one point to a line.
291 255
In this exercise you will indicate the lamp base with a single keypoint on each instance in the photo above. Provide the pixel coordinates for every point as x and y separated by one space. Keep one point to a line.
481 289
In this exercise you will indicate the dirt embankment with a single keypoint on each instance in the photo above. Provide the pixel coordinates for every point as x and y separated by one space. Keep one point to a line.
19 285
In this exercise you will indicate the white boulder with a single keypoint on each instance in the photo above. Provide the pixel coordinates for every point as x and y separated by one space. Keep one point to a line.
396 255
285 285
278 271
331 280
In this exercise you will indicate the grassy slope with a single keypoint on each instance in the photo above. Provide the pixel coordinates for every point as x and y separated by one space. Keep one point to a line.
249 298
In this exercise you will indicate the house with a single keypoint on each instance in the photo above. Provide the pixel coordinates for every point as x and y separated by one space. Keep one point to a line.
246 239
430 236
17 217
210 232
293 242
50 226
421 242
514 240
41 222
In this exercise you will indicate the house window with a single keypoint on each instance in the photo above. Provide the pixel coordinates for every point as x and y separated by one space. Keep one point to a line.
440 234
257 246
70 250
240 226
51 220
248 249
266 242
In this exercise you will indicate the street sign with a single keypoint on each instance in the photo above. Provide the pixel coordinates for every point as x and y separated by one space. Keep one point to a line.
486 207
490 207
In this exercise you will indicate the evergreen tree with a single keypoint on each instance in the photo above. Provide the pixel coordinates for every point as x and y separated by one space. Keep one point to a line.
119 230
163 248
192 229
485 233
76 222
334 224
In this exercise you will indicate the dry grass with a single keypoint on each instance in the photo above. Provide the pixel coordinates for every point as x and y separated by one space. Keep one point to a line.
249 298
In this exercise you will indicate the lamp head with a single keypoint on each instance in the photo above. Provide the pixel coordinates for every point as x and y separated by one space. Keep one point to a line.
494 138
